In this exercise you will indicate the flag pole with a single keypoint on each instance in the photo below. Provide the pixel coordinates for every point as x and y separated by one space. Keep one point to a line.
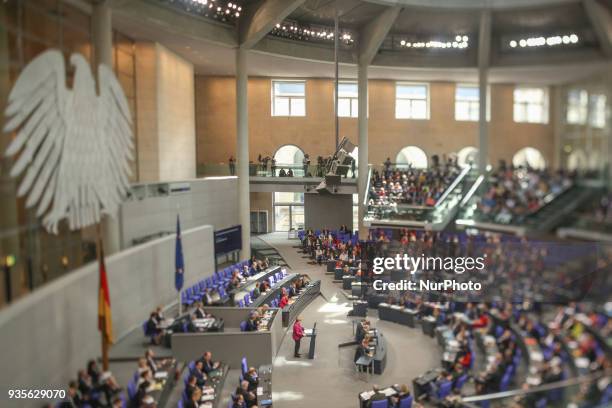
103 334
180 304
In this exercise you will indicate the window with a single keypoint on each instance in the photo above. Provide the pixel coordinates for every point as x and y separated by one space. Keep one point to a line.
467 103
411 156
529 157
288 98
411 101
598 110
531 105
288 211
348 105
577 104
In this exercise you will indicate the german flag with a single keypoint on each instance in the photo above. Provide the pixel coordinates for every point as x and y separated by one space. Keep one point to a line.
105 320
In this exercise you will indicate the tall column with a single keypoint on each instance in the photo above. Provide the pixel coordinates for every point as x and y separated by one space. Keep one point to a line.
242 150
362 178
484 46
102 39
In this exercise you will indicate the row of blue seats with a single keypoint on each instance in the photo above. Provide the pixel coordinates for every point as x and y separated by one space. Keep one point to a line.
273 280
217 281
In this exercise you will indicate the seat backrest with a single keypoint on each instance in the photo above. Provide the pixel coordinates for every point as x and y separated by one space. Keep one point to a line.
131 390
180 404
243 325
380 404
406 402
243 365
445 389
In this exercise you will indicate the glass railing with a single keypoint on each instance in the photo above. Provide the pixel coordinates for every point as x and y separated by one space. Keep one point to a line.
593 390
278 170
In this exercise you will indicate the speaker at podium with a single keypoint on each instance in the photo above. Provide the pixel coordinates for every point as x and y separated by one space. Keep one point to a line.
312 334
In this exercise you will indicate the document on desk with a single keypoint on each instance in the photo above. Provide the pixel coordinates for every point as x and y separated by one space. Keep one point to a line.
206 405
259 391
308 332
207 397
161 375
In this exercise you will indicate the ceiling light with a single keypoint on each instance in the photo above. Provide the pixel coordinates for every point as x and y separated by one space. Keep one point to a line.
403 42
458 38
513 44
523 43
573 38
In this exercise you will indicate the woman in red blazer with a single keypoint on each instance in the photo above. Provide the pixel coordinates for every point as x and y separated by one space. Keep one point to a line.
298 333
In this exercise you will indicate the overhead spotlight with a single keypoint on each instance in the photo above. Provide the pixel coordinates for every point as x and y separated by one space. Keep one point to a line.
237 14
513 44
458 38
465 38
566 39
523 43
277 25
403 42
573 38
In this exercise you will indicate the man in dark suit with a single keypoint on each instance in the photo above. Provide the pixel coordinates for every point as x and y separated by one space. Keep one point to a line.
199 312
249 397
252 324
199 374
207 364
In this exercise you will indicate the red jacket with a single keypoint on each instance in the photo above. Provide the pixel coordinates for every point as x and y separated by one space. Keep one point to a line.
283 302
298 331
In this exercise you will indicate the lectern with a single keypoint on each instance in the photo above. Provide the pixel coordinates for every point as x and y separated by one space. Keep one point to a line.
312 333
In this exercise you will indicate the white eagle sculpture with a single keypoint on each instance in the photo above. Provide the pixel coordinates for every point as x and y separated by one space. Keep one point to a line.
75 144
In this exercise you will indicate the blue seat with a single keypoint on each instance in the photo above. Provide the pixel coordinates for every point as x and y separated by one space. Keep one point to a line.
243 326
131 390
444 390
241 303
542 403
461 381
505 382
244 365
180 404
191 366
380 404
406 402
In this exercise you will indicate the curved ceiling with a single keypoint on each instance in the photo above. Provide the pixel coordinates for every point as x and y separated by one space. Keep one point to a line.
198 38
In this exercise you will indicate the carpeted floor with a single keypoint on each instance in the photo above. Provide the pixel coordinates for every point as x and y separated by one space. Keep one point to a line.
330 379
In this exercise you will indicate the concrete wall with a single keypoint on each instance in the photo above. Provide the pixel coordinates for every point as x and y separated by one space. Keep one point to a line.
47 336
210 201
176 116
215 102
328 210
166 114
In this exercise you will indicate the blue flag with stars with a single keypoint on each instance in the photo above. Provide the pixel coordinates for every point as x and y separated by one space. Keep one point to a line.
178 258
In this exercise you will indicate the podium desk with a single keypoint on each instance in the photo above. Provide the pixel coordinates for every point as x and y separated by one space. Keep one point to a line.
360 308
375 299
312 335
357 288
420 385
338 273
428 324
364 397
397 314
331 265
347 281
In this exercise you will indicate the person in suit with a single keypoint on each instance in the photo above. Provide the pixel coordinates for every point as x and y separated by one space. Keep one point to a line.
72 397
208 365
153 329
256 291
252 324
253 379
402 394
199 374
191 387
239 402
194 401
298 333
150 357
207 298
249 397
199 312
377 396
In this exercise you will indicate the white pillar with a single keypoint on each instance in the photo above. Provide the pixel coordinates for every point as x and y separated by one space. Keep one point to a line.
362 179
483 125
484 47
242 147
102 38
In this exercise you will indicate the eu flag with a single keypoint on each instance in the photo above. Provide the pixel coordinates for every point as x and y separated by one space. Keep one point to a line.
178 258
